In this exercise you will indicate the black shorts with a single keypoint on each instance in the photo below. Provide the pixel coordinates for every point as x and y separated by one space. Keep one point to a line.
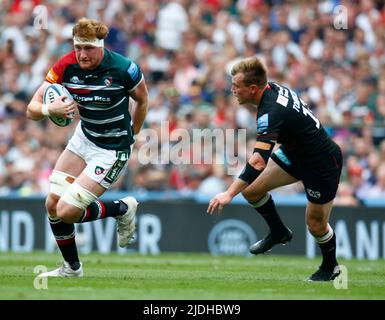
320 177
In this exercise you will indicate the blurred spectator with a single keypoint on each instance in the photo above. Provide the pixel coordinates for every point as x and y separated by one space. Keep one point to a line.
345 196
378 190
172 21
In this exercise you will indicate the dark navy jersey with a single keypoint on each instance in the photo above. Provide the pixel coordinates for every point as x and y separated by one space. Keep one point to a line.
283 117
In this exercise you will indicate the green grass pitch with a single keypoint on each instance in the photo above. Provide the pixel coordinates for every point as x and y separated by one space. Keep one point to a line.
187 277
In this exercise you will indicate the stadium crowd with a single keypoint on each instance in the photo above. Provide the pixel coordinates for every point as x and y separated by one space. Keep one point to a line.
334 57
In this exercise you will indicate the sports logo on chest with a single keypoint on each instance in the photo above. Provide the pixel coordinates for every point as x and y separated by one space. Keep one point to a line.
107 81
262 123
76 80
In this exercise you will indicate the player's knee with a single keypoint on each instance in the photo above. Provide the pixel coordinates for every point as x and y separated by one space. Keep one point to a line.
255 192
58 183
50 204
316 225
251 196
67 213
246 194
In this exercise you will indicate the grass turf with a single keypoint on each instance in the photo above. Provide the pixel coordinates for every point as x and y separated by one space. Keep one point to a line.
187 277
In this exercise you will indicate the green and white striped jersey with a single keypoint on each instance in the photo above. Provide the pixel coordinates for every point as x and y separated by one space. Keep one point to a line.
102 96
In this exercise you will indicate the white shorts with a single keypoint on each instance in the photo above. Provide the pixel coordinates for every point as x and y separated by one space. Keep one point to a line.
103 166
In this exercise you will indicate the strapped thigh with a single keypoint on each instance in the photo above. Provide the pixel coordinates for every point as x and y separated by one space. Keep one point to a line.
59 182
78 196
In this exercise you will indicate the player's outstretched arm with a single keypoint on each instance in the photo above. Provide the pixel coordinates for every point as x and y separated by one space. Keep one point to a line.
255 165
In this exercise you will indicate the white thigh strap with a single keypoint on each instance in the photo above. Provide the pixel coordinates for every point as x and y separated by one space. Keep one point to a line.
59 181
78 196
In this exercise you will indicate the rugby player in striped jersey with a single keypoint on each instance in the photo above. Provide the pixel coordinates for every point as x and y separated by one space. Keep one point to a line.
102 82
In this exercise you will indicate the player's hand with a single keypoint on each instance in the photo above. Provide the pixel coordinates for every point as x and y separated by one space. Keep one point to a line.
218 202
61 108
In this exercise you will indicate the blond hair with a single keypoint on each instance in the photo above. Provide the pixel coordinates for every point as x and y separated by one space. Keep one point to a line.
90 29
253 70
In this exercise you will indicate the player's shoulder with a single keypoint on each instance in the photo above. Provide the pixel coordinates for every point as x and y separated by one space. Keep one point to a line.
273 88
55 74
269 97
276 95
129 70
67 59
117 60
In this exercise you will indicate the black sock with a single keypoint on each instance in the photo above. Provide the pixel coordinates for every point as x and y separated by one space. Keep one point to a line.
269 212
100 210
64 234
328 249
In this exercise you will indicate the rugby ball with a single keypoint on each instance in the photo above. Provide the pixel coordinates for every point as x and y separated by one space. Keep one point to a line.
52 92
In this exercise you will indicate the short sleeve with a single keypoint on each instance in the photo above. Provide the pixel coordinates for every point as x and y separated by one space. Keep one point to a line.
55 74
268 126
133 76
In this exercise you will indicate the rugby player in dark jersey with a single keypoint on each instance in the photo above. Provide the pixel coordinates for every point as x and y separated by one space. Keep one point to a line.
102 83
306 153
